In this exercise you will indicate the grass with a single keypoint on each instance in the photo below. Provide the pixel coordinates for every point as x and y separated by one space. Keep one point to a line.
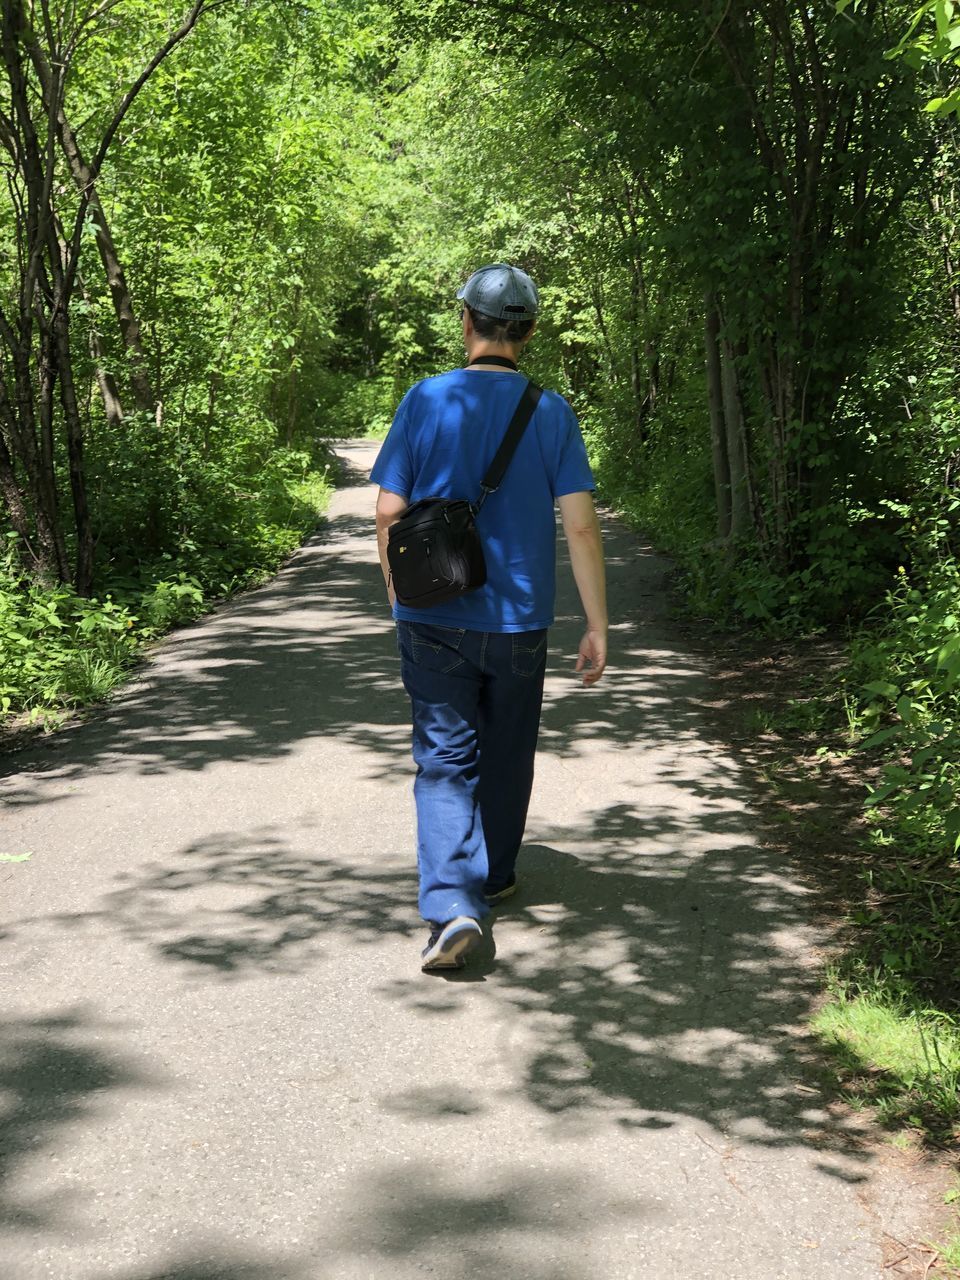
903 1061
904 1065
950 1255
88 677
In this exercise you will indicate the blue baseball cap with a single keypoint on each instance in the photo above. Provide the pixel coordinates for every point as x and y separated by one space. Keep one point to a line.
501 292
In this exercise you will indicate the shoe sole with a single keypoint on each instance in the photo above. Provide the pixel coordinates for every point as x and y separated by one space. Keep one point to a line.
494 899
452 947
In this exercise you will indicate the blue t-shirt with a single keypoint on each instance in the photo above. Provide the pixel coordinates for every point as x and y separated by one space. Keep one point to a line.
444 436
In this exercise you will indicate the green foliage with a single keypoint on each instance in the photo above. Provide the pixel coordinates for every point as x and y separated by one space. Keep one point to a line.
224 194
668 493
353 407
931 42
903 700
169 602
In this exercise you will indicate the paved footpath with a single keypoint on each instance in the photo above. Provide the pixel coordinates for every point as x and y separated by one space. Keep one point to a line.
220 1061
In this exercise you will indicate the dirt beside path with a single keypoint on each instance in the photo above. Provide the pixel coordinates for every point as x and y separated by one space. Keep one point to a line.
810 813
219 1059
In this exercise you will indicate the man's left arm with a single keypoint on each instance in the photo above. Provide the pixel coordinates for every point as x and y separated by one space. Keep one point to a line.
390 507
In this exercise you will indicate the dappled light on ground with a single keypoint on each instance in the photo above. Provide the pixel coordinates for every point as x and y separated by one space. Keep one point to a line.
225 870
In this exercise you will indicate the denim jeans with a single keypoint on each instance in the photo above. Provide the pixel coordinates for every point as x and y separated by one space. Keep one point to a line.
476 698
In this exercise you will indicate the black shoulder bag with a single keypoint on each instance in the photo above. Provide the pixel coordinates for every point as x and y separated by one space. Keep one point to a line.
434 550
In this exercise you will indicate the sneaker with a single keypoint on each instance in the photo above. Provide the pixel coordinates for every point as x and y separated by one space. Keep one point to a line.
500 895
449 943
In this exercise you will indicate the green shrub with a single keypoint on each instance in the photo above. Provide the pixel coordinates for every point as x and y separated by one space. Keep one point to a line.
58 650
903 703
906 679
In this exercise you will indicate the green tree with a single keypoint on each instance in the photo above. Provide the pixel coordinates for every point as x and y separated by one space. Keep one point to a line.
39 49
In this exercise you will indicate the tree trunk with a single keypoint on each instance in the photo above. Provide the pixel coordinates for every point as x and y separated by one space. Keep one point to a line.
120 295
109 393
52 562
293 406
718 436
293 390
17 512
741 517
775 397
36 357
143 396
645 373
83 577
946 248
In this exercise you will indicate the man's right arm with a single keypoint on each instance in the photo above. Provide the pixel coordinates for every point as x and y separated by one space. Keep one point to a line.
390 507
582 530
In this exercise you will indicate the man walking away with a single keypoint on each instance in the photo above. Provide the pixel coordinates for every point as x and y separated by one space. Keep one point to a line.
474 666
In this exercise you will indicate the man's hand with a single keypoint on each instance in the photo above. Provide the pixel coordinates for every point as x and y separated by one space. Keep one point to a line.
582 528
592 658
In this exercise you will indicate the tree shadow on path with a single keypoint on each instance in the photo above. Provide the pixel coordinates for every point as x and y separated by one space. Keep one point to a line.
50 1076
653 966
634 984
406 1219
53 1077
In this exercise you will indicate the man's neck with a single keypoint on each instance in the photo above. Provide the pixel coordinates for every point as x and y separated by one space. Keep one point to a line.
477 352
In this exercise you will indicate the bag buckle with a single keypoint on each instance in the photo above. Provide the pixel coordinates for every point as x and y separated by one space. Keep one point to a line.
486 490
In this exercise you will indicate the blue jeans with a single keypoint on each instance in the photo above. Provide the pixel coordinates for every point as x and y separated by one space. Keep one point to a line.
476 699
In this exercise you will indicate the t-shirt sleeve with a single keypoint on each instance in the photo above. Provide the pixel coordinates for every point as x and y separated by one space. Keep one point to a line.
393 468
573 474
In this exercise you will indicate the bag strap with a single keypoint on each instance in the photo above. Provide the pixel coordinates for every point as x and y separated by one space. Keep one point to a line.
492 481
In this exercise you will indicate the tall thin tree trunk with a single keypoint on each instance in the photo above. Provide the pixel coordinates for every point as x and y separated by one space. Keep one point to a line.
718 435
644 374
40 475
109 393
293 405
946 248
293 390
779 491
741 517
597 304
127 319
83 577
17 512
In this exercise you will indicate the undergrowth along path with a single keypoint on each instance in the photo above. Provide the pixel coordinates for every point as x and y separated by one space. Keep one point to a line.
221 1062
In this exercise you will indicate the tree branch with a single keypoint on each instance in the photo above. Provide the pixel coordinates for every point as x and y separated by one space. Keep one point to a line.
94 16
576 36
197 10
770 145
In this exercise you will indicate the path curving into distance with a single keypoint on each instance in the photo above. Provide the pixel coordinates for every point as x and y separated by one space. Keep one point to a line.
220 1061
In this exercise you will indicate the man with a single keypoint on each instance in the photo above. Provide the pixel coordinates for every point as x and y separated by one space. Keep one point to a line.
474 666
